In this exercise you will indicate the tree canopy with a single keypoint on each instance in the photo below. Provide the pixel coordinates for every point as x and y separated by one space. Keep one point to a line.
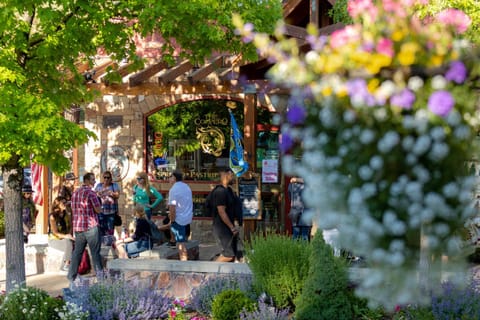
43 41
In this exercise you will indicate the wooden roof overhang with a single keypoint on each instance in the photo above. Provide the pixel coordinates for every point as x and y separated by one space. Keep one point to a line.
222 74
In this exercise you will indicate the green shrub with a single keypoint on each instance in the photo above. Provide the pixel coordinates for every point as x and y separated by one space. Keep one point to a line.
279 266
228 305
326 294
203 295
32 303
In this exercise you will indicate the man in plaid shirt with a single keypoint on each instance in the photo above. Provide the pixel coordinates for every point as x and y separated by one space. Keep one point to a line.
85 209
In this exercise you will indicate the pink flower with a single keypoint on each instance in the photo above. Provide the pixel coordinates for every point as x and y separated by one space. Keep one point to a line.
454 18
441 103
385 46
357 8
344 36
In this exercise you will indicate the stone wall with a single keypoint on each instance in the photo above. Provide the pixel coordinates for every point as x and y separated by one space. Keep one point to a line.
177 278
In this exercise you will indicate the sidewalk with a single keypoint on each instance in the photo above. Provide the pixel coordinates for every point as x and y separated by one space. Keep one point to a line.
54 283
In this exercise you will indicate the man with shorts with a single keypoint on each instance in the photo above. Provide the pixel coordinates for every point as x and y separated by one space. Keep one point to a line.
180 211
224 215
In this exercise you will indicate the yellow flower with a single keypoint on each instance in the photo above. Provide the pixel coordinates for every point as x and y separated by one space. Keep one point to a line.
407 53
377 62
334 63
436 60
327 91
398 35
373 84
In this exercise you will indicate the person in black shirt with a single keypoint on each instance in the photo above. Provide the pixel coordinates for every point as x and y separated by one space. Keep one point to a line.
140 240
224 229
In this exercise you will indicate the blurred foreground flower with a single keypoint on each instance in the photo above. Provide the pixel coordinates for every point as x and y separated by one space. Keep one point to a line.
390 118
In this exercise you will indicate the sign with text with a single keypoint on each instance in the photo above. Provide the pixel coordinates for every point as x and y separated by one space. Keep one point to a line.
250 196
270 171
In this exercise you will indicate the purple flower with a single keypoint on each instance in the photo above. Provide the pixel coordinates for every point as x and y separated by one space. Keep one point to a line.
403 99
286 142
457 72
296 114
441 102
359 95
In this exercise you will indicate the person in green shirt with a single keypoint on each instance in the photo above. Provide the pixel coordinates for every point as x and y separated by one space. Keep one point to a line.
145 194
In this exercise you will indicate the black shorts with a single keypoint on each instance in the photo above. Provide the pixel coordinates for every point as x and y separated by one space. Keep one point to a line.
225 238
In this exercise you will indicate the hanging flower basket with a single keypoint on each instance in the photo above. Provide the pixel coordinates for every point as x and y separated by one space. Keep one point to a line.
381 124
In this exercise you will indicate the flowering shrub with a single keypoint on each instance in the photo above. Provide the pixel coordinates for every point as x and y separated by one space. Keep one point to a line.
380 124
113 298
265 311
177 312
34 303
202 296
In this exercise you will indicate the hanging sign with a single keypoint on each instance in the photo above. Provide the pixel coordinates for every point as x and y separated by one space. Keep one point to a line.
270 170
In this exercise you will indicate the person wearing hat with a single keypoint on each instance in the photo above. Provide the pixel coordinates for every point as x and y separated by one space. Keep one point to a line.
28 211
66 190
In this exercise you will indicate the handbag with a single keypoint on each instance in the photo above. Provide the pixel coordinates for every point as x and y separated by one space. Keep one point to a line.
117 220
85 265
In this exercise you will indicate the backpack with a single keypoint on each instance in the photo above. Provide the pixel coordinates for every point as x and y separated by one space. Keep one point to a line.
237 206
84 267
156 235
209 205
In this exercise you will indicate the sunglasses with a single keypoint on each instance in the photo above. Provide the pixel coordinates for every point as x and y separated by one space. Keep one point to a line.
139 178
107 177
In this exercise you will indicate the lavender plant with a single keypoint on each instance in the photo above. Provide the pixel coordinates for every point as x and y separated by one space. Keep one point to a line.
454 302
265 311
202 296
113 298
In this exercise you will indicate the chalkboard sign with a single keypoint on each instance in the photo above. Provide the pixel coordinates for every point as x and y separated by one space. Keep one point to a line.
250 195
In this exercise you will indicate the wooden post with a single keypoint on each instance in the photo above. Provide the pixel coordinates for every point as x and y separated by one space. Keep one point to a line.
249 146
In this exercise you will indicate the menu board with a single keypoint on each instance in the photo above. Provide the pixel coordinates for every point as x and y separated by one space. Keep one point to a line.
250 195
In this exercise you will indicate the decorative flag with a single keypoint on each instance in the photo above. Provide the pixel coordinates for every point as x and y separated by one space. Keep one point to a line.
238 165
37 174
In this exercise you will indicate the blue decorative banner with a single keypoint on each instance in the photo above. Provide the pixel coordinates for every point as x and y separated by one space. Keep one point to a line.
237 163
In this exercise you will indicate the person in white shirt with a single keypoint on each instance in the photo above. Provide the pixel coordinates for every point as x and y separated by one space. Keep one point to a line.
180 207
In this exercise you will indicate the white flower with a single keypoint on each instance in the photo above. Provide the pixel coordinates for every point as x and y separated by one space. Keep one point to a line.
409 122
411 159
388 141
349 116
422 145
450 190
437 133
454 118
376 162
441 229
327 118
369 190
439 82
415 83
462 132
407 143
439 152
422 174
365 173
414 191
367 136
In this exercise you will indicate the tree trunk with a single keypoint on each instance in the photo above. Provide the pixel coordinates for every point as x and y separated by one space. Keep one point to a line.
15 258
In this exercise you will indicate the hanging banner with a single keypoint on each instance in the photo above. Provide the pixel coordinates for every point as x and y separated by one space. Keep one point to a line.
237 163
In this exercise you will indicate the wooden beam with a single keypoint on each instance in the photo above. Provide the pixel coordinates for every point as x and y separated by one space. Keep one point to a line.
290 6
101 69
330 29
147 73
204 71
295 32
175 72
177 88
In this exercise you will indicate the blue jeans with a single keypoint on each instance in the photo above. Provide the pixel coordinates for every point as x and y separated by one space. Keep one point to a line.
106 224
301 232
92 238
